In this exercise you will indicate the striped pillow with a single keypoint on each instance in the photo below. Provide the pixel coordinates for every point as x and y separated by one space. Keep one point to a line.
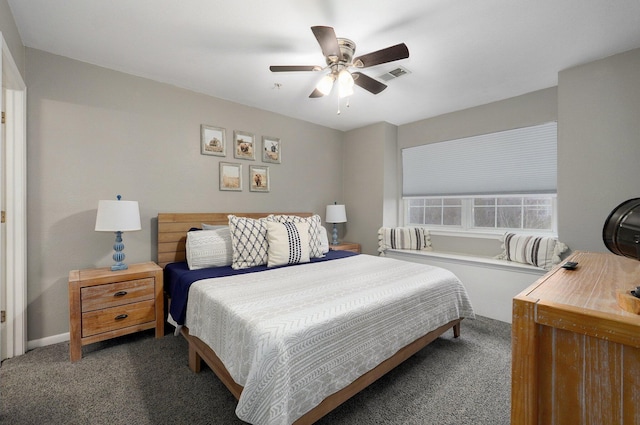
417 238
315 224
543 252
288 243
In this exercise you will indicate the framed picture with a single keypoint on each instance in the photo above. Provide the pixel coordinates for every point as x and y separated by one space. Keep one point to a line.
259 176
230 176
244 145
271 149
212 141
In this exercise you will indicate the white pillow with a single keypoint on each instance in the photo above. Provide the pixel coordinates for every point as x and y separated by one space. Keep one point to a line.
314 222
538 251
209 248
324 240
248 241
288 243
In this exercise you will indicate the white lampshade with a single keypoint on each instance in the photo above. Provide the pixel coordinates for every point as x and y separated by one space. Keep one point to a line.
326 84
336 214
345 83
118 216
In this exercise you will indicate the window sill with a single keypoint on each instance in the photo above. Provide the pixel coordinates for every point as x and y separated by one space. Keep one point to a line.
471 259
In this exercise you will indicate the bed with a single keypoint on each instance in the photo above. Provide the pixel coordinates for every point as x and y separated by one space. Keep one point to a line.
295 342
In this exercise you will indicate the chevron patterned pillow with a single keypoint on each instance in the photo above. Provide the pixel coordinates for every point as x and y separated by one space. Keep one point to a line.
248 241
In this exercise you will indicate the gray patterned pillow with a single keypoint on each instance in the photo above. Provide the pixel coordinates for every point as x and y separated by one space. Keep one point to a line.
315 224
209 248
249 242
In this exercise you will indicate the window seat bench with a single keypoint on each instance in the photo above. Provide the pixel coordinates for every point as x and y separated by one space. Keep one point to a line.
491 283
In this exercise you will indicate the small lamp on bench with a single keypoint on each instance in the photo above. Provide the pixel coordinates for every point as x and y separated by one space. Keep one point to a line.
335 214
118 216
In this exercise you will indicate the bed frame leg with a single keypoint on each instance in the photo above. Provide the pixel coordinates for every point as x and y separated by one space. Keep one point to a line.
456 330
195 361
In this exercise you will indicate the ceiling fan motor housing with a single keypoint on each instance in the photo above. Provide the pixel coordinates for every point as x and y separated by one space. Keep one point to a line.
621 231
347 49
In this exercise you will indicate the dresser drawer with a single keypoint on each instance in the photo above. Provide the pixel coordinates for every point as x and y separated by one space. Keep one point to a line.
109 319
115 294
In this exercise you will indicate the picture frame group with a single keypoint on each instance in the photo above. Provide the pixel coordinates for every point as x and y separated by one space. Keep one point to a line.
231 177
213 142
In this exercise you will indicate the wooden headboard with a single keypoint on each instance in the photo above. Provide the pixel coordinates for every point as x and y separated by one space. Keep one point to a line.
173 228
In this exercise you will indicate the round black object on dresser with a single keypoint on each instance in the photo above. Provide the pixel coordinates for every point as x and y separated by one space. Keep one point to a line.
621 231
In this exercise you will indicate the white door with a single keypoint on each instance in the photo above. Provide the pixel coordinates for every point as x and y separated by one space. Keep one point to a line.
13 201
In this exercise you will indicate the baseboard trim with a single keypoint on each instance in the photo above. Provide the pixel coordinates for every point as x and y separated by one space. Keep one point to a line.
50 340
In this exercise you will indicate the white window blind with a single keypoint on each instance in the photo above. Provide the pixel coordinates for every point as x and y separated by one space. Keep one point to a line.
521 161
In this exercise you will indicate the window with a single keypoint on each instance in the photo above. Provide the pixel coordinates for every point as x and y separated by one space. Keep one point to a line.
487 183
484 213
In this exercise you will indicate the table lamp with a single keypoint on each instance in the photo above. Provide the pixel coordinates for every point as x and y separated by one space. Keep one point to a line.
335 214
118 216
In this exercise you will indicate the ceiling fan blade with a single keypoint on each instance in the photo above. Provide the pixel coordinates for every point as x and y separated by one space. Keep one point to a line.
390 54
316 93
328 41
368 83
289 68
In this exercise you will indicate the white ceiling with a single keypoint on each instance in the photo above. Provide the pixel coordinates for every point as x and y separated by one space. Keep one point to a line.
463 53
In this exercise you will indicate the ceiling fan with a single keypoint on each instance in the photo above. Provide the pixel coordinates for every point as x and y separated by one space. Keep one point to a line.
339 53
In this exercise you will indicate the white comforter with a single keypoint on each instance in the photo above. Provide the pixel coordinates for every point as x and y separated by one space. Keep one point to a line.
293 336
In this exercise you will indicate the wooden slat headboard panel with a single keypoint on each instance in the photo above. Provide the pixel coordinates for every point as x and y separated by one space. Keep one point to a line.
173 228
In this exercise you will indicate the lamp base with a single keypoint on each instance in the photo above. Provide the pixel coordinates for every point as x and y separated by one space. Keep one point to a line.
334 235
118 255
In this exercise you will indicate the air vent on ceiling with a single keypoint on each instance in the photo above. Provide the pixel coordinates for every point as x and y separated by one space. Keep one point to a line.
394 73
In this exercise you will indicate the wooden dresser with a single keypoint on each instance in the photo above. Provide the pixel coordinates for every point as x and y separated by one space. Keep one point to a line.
104 304
575 352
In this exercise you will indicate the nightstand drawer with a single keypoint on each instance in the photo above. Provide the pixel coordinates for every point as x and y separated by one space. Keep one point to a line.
115 294
109 319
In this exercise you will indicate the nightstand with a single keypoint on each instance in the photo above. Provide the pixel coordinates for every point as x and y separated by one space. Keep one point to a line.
346 246
104 304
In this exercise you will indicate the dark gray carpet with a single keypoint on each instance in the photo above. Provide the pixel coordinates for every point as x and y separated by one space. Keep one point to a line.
138 379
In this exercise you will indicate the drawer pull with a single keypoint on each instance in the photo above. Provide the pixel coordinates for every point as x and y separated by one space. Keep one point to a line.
120 294
121 316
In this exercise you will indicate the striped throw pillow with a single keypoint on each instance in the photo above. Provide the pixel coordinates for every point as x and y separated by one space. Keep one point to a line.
417 238
539 251
288 243
315 224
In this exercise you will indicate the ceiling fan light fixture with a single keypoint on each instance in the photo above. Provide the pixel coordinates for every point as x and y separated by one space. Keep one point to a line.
345 83
326 84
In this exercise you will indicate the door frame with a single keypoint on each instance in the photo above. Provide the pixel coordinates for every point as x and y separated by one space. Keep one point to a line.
14 92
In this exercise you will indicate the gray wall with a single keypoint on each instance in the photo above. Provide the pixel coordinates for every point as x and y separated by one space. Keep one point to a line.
11 36
598 145
370 184
94 133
